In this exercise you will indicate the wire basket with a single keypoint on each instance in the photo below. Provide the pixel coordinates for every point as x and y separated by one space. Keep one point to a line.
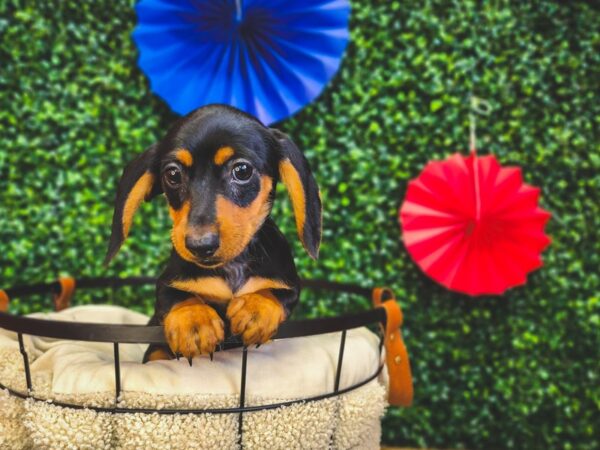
63 289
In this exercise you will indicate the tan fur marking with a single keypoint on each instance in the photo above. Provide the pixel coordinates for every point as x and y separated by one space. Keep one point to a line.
159 355
180 220
138 193
193 328
237 225
291 179
184 157
189 302
209 288
255 316
222 155
255 284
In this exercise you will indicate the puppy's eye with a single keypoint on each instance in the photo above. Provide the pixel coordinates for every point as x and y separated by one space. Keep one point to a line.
242 171
172 176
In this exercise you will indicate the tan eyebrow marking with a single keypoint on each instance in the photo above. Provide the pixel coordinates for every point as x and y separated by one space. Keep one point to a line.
223 155
184 157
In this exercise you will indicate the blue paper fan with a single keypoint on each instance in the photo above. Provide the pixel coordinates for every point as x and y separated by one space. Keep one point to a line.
266 57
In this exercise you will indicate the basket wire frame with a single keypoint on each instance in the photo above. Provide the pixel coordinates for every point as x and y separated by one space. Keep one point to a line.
141 334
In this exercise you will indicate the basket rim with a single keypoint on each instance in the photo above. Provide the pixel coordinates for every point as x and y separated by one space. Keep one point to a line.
145 334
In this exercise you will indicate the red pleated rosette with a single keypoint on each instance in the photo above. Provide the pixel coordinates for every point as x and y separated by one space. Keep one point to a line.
473 225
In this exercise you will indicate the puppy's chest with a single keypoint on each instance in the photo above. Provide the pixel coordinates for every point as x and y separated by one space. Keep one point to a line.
218 286
235 275
233 280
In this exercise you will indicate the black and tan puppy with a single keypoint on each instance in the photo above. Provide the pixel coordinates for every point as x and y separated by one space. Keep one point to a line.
231 270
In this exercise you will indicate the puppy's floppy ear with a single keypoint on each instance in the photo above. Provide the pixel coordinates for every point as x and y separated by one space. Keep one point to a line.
295 174
139 182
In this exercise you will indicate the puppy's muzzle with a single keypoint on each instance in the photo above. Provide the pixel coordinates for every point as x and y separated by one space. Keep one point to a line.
204 245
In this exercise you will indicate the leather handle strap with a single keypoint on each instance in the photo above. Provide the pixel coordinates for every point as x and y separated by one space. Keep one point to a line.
397 362
62 300
4 300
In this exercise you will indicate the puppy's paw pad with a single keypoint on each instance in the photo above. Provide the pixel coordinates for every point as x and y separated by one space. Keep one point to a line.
193 328
255 317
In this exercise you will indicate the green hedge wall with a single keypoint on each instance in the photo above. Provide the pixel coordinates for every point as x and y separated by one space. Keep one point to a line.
519 371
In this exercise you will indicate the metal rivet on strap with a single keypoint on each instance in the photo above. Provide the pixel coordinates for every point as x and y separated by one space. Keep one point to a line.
397 359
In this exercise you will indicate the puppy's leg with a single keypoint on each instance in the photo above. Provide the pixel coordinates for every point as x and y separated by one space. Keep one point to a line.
256 316
156 352
193 328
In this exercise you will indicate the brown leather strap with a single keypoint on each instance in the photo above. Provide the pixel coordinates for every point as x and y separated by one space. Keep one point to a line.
398 364
63 299
4 300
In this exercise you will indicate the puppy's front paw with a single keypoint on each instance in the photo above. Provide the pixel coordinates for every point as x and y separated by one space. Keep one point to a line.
193 328
255 316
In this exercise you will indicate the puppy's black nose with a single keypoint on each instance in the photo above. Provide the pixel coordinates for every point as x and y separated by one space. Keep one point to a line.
203 246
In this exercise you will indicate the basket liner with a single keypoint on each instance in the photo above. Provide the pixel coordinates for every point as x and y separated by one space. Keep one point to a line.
83 373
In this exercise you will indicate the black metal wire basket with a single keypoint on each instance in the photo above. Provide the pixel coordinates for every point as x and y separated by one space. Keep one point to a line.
63 289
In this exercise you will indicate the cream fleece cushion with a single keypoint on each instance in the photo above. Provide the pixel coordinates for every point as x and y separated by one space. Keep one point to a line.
83 373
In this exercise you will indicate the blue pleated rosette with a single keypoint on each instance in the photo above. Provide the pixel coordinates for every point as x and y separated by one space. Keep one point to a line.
267 57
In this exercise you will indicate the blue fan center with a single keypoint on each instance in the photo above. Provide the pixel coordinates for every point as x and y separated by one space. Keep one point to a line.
236 22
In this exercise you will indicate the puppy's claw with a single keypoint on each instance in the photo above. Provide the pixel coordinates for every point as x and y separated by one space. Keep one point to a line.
177 356
211 355
190 360
258 345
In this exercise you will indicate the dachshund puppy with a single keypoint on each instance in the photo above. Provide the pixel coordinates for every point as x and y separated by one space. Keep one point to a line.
231 271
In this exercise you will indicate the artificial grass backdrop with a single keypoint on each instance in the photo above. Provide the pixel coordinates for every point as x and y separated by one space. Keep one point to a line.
518 371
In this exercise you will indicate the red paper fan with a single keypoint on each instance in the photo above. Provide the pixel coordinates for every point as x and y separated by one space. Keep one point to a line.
473 225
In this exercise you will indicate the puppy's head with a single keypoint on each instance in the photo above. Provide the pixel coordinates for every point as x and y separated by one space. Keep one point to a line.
217 168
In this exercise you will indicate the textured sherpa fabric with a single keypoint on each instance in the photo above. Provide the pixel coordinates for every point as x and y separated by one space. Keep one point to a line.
82 373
